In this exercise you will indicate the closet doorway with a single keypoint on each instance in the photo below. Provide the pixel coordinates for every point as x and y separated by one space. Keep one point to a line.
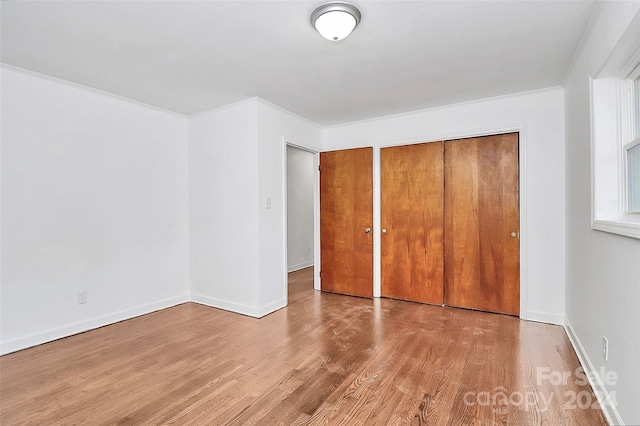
412 215
450 223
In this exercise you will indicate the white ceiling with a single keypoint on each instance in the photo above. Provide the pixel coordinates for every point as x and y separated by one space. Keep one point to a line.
190 56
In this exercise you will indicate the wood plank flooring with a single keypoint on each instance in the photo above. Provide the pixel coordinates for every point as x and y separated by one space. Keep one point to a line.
325 359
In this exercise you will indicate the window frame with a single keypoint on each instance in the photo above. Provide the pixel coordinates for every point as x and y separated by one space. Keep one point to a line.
615 129
627 202
630 120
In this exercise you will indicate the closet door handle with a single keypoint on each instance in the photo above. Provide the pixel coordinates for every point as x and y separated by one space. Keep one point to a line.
384 230
367 230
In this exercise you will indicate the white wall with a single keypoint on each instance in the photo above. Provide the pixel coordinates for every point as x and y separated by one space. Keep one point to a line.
276 127
94 198
237 159
299 208
539 116
603 270
223 207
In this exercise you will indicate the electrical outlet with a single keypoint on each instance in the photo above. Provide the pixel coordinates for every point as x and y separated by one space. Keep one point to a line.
82 297
308 250
605 348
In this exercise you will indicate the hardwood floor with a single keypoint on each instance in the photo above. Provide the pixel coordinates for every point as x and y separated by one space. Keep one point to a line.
325 359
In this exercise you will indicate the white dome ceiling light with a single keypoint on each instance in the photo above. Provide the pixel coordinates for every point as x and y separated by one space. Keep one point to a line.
336 20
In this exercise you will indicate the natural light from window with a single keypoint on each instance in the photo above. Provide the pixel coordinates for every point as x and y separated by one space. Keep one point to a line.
615 144
633 153
633 179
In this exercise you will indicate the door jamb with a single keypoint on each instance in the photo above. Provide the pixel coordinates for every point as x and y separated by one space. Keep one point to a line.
316 215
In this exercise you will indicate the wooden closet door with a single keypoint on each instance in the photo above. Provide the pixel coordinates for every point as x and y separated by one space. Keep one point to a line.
412 222
482 250
346 219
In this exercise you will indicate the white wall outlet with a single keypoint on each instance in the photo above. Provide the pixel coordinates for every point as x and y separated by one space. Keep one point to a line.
605 348
82 297
267 202
309 250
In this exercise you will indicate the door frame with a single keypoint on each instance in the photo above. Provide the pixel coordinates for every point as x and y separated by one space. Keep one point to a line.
522 178
316 214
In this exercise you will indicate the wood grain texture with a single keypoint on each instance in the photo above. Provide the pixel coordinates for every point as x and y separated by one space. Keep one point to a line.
412 186
482 259
346 209
324 359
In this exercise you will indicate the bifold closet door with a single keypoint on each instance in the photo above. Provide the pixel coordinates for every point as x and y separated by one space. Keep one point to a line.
481 231
412 222
346 219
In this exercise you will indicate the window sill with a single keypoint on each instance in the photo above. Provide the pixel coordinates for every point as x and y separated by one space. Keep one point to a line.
629 226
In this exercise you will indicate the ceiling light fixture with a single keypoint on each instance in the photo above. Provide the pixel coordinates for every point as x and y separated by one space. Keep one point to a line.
335 21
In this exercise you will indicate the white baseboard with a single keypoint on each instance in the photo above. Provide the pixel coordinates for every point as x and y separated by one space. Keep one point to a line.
546 317
299 266
82 326
272 307
93 323
252 311
604 399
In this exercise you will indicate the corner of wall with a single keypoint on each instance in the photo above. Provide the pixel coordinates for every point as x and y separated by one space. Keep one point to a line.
239 308
545 317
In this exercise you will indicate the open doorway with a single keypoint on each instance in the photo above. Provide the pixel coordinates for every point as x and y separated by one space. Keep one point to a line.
300 182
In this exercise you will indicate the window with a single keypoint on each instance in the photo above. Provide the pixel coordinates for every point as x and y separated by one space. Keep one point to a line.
637 105
615 143
633 177
632 152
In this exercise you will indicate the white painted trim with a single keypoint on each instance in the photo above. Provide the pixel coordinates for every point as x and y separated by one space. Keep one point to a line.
377 223
285 219
546 317
223 107
611 107
605 216
300 266
270 308
524 234
620 227
87 89
89 324
316 221
286 111
444 107
239 308
604 398
105 320
316 211
583 39
592 156
625 49
1 345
